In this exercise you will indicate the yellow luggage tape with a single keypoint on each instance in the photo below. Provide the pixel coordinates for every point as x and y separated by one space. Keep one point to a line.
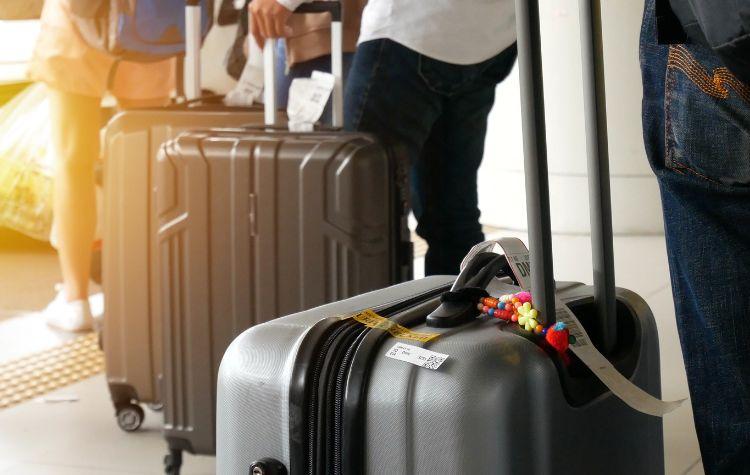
371 319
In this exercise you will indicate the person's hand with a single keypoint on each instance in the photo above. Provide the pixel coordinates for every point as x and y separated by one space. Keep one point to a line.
268 20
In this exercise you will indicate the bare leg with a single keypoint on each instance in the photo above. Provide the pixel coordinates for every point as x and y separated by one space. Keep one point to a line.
75 138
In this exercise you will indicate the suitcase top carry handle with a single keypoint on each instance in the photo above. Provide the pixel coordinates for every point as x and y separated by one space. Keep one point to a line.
535 164
337 66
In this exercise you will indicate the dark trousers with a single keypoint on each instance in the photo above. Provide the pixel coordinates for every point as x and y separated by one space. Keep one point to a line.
696 121
436 113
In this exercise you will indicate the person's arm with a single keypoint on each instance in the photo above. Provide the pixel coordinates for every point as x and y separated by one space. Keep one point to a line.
268 18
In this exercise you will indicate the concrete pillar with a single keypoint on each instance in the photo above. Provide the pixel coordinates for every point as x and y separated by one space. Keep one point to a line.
635 197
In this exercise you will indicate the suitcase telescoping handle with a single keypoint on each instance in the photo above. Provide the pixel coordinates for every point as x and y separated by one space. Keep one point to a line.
535 163
192 63
337 67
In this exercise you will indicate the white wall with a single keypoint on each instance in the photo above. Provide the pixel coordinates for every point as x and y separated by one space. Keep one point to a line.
635 195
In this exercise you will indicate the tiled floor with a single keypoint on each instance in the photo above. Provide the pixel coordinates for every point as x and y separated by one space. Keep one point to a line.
82 437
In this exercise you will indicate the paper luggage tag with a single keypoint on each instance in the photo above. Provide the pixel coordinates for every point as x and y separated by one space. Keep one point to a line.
307 100
249 88
417 356
518 258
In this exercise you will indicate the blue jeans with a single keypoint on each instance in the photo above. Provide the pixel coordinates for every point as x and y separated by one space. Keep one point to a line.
435 114
696 121
304 70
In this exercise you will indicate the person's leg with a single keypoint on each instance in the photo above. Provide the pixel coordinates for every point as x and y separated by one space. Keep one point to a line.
386 96
696 118
75 139
445 177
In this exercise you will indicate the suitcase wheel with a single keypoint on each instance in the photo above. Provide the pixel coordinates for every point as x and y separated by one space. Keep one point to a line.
156 406
267 466
130 417
173 462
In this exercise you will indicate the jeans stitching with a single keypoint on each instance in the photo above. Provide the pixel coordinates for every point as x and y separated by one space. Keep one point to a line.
679 167
715 84
366 94
680 59
430 85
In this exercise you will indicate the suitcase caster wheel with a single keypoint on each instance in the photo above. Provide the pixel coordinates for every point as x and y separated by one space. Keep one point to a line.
130 417
173 462
156 406
100 339
267 466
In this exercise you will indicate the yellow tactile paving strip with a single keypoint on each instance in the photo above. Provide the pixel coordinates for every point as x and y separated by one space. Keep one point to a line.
40 373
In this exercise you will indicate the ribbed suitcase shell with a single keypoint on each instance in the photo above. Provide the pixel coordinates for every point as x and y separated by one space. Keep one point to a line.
496 406
256 224
131 336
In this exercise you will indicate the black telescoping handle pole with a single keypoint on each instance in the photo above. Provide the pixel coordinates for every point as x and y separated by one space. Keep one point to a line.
535 157
600 203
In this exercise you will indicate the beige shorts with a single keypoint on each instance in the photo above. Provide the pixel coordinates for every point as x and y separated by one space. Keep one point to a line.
64 61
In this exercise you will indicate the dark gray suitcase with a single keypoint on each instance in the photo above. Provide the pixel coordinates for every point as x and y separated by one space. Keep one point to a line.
131 336
317 393
255 223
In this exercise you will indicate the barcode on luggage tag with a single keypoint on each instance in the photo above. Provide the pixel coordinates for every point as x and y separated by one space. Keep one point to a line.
416 355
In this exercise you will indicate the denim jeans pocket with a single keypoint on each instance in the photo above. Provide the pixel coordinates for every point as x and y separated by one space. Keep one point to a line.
446 78
707 118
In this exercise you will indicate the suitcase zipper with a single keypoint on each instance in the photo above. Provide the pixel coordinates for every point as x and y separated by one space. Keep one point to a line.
306 386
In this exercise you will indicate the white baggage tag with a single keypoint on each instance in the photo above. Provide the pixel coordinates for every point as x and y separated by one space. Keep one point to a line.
417 356
249 88
307 100
518 257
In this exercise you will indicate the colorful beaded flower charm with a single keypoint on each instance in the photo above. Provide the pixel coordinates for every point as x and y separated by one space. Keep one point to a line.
519 308
527 317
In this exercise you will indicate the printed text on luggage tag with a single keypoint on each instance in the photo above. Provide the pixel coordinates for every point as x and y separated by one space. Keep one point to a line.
416 355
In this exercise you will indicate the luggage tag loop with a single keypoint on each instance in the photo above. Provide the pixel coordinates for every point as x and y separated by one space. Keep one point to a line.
515 252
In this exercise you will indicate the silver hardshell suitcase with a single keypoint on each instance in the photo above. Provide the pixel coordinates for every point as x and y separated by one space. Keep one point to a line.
316 392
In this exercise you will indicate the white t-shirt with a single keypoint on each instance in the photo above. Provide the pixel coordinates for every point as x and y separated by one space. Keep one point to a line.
454 31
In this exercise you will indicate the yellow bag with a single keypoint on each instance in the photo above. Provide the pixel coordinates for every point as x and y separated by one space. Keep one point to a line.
25 164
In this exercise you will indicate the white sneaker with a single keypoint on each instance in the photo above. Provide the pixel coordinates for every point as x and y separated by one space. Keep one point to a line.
72 316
